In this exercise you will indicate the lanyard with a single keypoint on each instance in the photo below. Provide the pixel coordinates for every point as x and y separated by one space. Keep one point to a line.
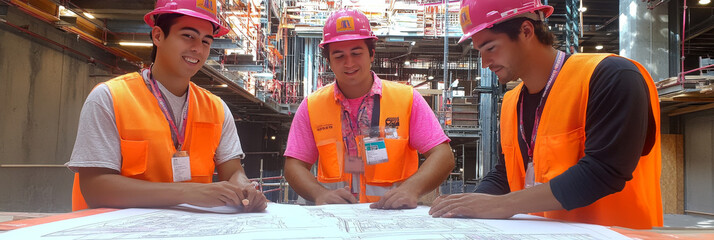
168 113
560 59
374 121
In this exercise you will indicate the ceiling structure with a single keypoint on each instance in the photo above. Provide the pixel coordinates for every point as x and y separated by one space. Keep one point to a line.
120 20
110 22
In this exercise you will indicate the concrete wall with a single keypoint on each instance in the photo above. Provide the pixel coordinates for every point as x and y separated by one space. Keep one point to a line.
699 162
644 36
42 89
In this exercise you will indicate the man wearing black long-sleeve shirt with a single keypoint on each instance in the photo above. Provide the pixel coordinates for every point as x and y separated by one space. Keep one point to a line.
579 136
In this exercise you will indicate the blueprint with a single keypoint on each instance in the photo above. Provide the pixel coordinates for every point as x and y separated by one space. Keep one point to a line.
281 221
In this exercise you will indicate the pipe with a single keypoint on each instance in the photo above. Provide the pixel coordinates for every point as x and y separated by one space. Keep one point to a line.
89 58
683 73
45 17
272 184
446 54
684 25
698 69
272 190
266 178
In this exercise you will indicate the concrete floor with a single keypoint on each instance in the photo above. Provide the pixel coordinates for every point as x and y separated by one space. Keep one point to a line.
688 221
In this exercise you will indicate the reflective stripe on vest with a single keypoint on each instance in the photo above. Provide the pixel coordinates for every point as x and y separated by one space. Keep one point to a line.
145 137
325 120
561 144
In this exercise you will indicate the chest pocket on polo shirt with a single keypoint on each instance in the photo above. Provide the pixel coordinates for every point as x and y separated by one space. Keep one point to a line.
203 148
134 155
557 153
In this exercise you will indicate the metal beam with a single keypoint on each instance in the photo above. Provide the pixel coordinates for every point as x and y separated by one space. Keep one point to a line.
607 23
128 26
224 43
115 4
699 29
248 68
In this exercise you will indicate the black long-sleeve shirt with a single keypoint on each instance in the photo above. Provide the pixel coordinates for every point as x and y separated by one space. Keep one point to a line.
618 123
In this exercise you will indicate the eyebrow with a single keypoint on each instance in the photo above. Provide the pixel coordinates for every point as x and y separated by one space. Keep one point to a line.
197 32
483 44
354 48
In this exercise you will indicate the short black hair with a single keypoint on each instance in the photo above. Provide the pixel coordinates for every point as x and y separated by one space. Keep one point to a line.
163 21
371 45
512 28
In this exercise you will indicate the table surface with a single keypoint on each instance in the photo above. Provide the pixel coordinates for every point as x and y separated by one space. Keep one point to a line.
656 233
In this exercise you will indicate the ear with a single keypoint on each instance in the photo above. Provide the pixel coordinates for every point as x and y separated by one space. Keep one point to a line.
527 30
157 35
371 58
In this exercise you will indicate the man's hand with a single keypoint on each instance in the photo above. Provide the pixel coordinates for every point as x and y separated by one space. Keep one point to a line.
251 198
337 196
471 205
397 198
212 194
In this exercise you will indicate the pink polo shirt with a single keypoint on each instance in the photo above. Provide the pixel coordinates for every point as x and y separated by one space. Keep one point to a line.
424 133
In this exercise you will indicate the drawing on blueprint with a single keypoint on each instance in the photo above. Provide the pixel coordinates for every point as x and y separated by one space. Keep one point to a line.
365 220
280 221
173 224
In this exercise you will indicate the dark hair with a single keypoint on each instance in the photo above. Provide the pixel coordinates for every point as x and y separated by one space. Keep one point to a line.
512 28
163 21
371 45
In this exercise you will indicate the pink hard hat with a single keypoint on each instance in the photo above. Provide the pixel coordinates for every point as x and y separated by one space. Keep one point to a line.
346 25
203 9
477 15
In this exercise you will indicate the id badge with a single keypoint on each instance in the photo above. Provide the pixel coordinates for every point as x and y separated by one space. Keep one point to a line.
375 150
354 164
353 160
530 176
181 166
391 133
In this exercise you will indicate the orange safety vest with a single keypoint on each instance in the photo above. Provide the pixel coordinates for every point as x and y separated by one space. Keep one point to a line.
326 124
561 143
146 144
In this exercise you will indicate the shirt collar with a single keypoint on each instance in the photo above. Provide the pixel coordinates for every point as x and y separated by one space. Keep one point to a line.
376 89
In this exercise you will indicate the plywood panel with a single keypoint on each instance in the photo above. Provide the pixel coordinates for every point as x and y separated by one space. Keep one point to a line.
672 179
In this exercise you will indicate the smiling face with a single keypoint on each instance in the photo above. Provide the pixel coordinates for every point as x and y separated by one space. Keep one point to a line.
500 54
351 63
184 51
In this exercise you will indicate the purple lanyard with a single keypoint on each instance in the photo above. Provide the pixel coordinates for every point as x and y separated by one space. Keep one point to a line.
560 59
168 113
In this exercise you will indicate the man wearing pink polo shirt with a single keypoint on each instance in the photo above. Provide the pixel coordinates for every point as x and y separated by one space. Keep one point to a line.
363 132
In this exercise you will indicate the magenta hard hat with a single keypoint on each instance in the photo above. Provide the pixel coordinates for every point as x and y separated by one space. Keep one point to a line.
203 9
477 15
346 25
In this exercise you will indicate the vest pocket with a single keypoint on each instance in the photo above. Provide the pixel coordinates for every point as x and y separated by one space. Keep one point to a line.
556 153
514 168
203 149
134 155
330 161
393 170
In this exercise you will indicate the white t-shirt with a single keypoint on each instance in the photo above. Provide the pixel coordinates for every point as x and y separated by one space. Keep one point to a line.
98 143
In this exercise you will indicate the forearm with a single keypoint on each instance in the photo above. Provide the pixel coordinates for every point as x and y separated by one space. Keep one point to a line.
117 191
439 163
304 183
232 171
532 200
496 181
